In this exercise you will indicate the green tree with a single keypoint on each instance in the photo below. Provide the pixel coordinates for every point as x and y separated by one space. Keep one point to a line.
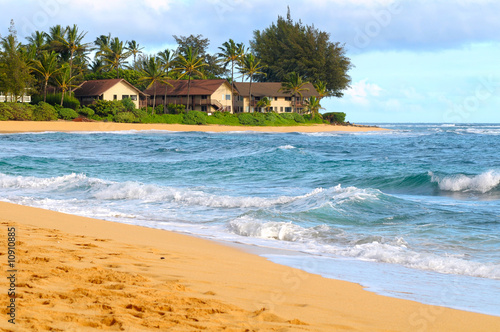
71 42
313 105
47 67
230 53
212 69
134 48
167 59
294 85
251 66
320 87
114 54
287 46
64 80
264 103
189 63
36 43
153 74
14 70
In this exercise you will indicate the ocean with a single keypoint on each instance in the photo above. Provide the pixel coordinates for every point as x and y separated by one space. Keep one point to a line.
413 212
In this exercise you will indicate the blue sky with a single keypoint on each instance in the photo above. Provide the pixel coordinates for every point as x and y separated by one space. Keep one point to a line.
415 60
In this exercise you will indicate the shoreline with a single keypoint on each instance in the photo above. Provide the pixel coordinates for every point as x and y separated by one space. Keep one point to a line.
88 274
71 126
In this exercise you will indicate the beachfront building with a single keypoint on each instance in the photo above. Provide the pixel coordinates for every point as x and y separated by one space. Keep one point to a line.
204 95
281 101
11 99
111 89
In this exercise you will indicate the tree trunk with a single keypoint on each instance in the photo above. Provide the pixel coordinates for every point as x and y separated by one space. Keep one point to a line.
187 101
45 91
250 95
154 100
62 97
232 86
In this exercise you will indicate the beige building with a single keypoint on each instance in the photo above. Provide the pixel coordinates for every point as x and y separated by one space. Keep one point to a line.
281 102
204 95
112 89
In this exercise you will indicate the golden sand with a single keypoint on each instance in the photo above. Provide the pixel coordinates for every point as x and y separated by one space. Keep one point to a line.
66 126
81 274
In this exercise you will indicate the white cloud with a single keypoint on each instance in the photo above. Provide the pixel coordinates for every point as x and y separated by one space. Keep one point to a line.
360 92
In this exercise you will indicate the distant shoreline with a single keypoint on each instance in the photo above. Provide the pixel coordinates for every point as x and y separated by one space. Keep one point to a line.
70 126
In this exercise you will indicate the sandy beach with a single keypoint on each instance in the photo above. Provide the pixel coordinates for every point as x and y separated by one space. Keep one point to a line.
81 274
66 126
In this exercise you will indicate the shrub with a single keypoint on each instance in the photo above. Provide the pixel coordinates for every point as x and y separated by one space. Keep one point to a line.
246 119
335 117
107 108
316 119
55 99
162 118
176 109
195 118
126 117
67 113
16 111
299 118
128 104
86 112
159 109
44 112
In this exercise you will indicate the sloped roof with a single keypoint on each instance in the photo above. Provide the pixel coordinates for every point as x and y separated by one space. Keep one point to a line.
270 89
98 87
180 87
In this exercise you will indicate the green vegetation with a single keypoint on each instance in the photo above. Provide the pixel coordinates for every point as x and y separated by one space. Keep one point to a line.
287 46
335 117
50 64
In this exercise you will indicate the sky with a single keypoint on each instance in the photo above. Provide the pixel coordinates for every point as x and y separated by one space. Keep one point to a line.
414 60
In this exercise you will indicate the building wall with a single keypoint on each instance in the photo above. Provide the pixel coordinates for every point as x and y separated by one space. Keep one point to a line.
122 91
201 103
278 104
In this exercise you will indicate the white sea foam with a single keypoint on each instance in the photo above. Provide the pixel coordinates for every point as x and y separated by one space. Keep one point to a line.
370 248
31 182
191 197
483 183
287 147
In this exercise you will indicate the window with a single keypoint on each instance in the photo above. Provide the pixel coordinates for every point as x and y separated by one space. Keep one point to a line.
125 96
115 97
133 97
228 97
288 98
203 108
203 97
275 98
288 109
281 109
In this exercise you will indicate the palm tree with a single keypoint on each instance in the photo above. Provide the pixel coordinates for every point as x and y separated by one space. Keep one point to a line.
64 79
294 85
167 58
114 54
134 48
189 64
320 87
264 103
47 66
251 66
230 54
71 42
313 106
37 42
153 74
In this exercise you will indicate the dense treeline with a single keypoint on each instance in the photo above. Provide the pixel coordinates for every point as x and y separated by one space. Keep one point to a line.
50 64
124 111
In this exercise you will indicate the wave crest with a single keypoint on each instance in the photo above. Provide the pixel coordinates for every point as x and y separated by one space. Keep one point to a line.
482 183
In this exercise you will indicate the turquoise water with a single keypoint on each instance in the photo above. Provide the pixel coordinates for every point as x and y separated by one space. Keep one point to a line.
403 212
